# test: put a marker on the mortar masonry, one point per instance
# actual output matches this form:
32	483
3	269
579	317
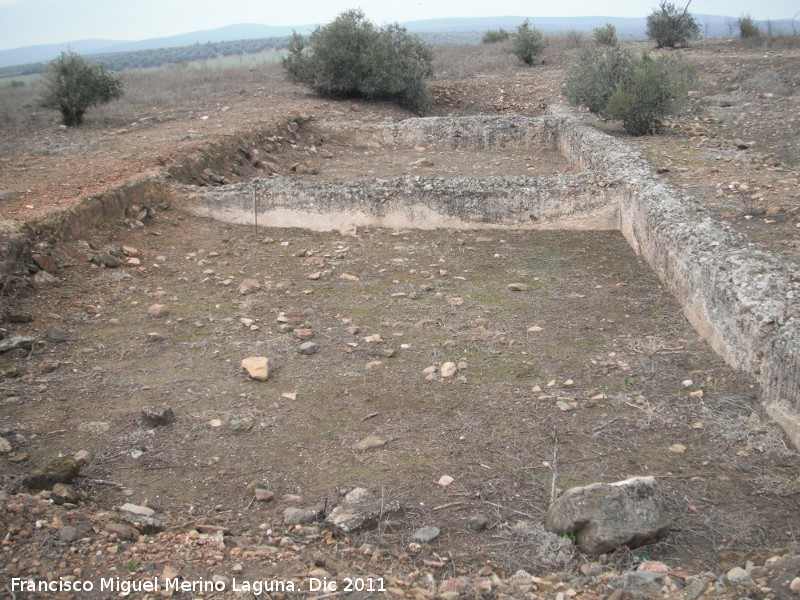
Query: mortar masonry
743	301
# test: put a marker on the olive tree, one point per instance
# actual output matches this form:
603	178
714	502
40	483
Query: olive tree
655	88
72	85
527	43
350	57
639	91
493	36
671	27
605	35
748	28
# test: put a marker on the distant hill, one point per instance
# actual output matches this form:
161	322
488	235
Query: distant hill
710	26
244	31
229	33
625	27
31	54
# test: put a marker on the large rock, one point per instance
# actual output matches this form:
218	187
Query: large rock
16	342
302	516
157	416
606	516
257	367
44	262
158	311
249	286
361	510
62	470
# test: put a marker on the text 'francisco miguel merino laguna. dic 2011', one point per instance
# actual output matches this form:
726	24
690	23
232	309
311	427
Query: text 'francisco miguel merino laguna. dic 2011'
155	584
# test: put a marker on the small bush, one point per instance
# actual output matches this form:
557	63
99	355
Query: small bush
574	38
72	85
748	30
671	27
637	90
598	72
605	35
654	89
527	43
493	36
350	57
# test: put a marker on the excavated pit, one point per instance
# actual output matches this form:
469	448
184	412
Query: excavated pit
548	173
444	241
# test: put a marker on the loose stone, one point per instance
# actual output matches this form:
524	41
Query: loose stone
425	535
135	509
249	286
157	416
448	370
370	442
158	310
308	348
69	534
257	367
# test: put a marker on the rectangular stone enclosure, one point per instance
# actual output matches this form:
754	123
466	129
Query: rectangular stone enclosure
743	301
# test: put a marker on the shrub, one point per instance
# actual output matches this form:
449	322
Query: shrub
671	27
350	57
527	43
748	28
72	85
574	38
492	36
605	35
655	88
598	72
637	90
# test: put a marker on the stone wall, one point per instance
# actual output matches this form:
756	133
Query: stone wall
741	300
474	133
584	201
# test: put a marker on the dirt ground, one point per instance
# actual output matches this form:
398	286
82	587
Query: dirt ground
589	374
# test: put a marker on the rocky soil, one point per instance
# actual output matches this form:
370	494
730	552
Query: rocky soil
465	378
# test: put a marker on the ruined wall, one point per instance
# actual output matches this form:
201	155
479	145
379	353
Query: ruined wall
475	133
742	300
565	202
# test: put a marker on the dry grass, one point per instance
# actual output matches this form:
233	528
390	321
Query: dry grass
177	89
469	60
768	41
18	112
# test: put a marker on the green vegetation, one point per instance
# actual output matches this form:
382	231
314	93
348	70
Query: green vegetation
671	27
492	36
574	38
637	90
145	59
351	58
72	86
748	30
527	43
598	72
657	88
605	35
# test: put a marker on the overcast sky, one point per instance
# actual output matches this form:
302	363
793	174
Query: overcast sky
30	22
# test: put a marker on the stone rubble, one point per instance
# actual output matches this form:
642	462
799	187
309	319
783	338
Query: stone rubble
101	543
